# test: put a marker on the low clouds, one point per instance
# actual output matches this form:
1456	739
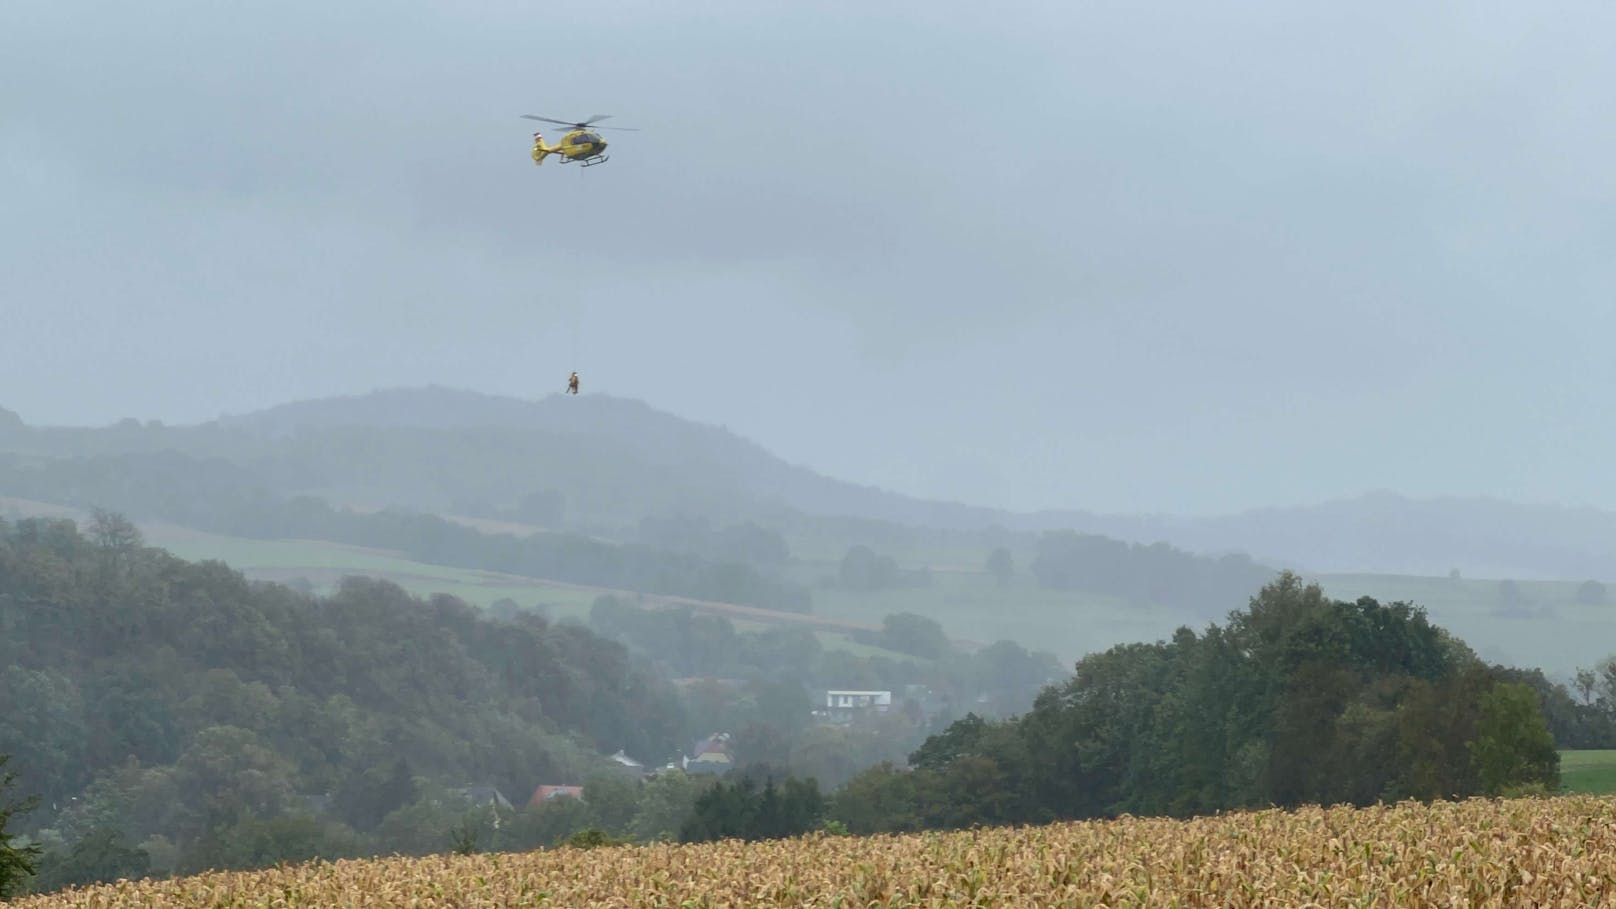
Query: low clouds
1108	255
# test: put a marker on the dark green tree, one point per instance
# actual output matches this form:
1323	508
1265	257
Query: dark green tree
723	812
365	798
743	809
914	634
962	738
792	808
1010	677
665	801
882	799
612	798
261	842
114	535
1513	747
1434	721
17	862
590	838
99	856
545	824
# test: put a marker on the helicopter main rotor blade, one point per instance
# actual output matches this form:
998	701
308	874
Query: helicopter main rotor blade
583	125
549	120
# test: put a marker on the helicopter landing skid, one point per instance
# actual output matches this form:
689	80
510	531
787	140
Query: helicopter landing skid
598	159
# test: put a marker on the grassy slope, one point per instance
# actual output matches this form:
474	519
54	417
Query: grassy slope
1591	772
324	564
1551	631
971	606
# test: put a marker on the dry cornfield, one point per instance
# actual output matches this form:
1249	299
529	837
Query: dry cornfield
1529	852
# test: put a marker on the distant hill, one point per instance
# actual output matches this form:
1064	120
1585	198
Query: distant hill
612	461
1386	533
1380	532
707	455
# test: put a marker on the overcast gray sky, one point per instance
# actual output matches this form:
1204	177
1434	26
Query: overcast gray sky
1182	257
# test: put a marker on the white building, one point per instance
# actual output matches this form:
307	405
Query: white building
842	706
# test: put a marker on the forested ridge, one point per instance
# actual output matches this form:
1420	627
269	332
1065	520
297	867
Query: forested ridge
146	696
614	460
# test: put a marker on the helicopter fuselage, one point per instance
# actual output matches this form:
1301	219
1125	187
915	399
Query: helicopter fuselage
582	145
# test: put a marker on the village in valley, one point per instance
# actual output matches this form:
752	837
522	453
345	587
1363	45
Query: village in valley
714	754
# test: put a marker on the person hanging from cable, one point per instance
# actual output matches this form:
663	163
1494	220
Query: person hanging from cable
572	383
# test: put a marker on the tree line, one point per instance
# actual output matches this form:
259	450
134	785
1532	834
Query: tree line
1144	574
222	497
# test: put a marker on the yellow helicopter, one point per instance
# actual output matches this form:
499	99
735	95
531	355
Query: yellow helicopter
581	144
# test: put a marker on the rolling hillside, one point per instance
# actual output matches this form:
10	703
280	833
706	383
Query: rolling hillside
613	461
599	466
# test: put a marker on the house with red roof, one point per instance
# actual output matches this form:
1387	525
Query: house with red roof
545	793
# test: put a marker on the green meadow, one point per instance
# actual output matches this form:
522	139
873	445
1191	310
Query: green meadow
1546	627
323	565
1590	772
972	607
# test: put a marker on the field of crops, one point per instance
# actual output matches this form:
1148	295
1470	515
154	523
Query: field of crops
1532	852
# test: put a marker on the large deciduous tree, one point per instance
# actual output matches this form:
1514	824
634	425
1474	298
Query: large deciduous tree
1513	748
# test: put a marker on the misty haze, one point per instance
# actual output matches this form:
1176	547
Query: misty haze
984	417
